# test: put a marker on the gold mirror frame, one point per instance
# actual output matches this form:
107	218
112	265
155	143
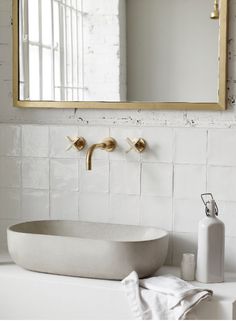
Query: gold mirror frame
221	105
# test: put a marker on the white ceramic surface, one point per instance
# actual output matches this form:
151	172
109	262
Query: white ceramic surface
93	250
53	297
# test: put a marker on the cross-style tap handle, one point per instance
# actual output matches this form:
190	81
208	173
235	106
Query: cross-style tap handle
138	145
76	142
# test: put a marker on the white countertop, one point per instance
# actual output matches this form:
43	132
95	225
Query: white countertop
18	279
223	291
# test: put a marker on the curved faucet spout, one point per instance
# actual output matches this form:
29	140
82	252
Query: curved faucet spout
108	144
90	154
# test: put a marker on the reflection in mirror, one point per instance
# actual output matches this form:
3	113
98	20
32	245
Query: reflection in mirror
51	50
172	51
118	51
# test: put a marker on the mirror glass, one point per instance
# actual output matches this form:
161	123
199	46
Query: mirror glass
118	50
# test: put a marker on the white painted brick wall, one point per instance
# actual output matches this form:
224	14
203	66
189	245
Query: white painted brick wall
189	153
103	37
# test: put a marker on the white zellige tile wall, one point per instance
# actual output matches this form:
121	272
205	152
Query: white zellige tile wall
161	187
188	153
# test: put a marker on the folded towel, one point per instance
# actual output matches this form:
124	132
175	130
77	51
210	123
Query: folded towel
163	297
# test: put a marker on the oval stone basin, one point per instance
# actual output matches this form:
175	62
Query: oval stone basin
91	250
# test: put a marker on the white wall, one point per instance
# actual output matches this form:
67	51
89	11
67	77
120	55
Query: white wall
189	153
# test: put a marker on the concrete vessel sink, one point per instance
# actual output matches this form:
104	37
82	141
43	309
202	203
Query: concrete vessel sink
92	250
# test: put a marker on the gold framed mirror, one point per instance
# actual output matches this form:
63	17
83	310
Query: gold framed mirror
66	76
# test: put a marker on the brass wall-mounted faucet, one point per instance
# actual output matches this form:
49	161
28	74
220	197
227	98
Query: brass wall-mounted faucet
108	144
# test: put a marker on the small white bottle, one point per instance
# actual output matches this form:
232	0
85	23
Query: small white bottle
211	246
188	267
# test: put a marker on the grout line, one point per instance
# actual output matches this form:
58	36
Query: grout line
79	186
207	160
49	172
172	209
110	214
21	173
140	192
173	191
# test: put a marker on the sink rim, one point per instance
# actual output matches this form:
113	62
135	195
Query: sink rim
160	233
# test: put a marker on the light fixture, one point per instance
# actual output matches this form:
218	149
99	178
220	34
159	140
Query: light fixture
215	13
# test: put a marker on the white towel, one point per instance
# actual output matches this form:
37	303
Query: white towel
163	297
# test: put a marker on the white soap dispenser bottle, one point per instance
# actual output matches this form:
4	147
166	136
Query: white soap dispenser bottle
211	245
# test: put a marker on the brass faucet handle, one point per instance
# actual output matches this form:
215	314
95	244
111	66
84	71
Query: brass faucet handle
138	145
76	142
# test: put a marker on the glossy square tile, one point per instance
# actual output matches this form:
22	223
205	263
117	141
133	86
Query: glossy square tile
10	140
187	214
35	204
64	205
156	211
125	177
169	257
125	209
94	135
190	146
221	147
96	180
230	257
35	173
159	144
189	181
156	179
94	207
221	182
121	134
64	174
227	211
10	172
35	141
10	200
183	243
59	143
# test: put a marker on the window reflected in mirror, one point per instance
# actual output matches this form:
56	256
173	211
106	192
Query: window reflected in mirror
51	50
